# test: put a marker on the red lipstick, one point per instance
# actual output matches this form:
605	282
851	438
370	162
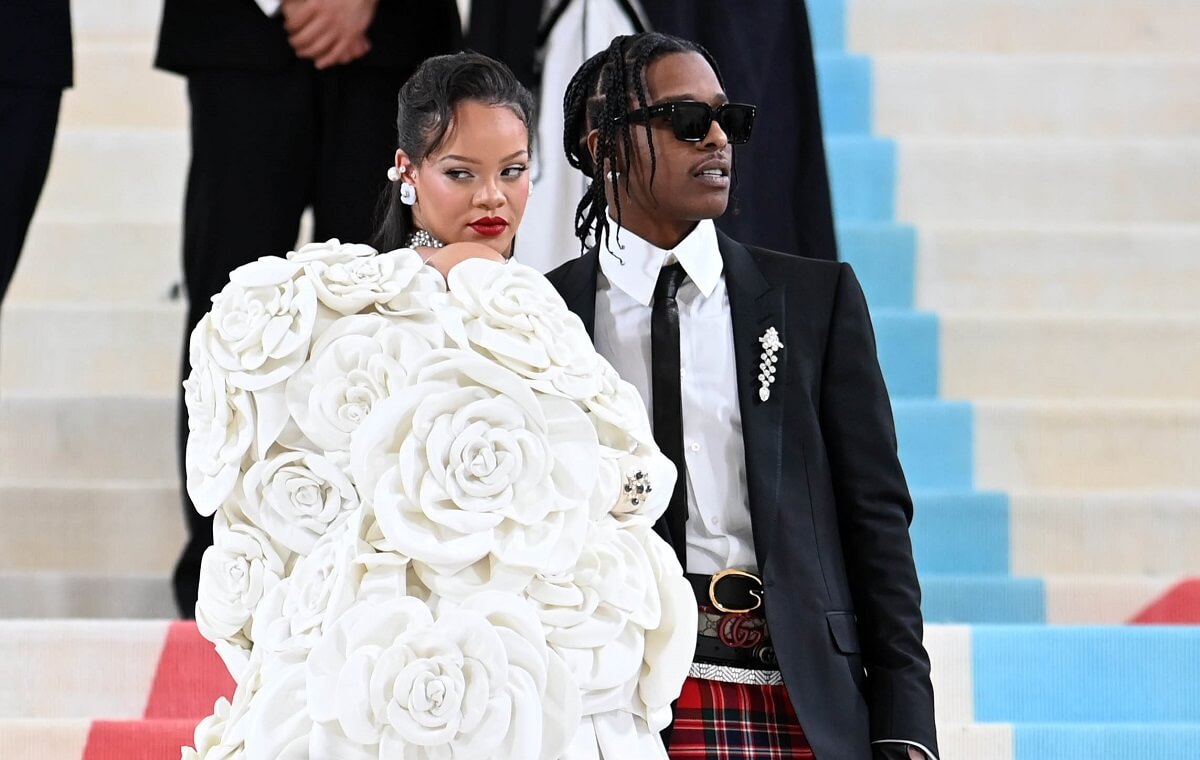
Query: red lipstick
489	226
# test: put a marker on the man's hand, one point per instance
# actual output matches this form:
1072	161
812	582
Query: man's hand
328	32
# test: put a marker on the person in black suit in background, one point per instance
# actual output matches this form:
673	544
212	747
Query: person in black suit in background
791	513
782	197
35	67
292	104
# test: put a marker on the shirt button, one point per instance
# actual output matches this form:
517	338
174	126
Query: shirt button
714	522
695	447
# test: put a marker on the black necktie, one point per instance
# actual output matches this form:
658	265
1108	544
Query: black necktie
668	400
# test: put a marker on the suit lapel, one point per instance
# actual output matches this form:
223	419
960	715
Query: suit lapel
577	286
756	305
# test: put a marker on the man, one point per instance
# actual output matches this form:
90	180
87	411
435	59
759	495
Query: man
293	105
35	66
791	513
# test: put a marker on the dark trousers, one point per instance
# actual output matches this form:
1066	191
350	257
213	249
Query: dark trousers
264	147
28	121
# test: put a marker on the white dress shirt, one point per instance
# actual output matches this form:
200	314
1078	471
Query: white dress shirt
718	526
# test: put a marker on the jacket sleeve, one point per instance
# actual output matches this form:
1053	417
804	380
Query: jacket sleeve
874	513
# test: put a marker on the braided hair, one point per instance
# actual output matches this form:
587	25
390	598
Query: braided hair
598	97
424	116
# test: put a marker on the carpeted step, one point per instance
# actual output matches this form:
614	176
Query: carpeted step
1002	26
1037	181
1061	445
1060	600
102	528
1136	533
1095	268
1040	95
998	355
87	438
49	594
110	669
64	262
116	175
99	350
1092	533
120	71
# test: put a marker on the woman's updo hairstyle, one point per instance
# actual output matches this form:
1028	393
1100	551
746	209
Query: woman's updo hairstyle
425	114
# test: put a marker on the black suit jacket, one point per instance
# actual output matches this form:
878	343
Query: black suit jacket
829	505
35	43
235	34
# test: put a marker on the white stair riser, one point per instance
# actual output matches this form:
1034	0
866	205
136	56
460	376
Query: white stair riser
114	175
1092	269
131	530
80	263
1133	534
1001	26
88	439
92	350
1047	446
999	357
78	669
117	86
44	739
1093	96
1047	181
1100	601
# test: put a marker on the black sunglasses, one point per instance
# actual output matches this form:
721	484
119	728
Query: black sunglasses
690	120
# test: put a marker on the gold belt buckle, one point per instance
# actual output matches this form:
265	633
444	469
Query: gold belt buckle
717	577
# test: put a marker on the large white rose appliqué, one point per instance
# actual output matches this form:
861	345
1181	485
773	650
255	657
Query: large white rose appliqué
221	425
468	465
389	681
517	318
262	322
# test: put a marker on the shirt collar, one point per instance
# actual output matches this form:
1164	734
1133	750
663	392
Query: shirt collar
698	254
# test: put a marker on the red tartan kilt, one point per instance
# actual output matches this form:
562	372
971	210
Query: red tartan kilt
731	721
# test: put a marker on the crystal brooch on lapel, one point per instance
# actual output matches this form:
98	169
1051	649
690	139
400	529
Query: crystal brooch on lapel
766	365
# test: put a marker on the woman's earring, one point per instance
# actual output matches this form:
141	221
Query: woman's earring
408	194
530	188
394	172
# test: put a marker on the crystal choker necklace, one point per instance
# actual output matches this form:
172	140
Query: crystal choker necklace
423	239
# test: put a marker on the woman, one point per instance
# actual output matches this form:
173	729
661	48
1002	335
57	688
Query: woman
791	512
433	500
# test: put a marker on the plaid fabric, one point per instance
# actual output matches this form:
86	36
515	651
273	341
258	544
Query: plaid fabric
733	721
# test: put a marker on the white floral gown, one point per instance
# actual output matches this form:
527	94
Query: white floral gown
432	519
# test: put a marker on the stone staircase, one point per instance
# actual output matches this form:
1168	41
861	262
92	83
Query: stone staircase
1015	182
1015	185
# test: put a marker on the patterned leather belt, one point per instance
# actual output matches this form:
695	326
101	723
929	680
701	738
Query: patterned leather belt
732	629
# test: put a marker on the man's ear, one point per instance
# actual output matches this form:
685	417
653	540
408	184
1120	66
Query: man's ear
590	141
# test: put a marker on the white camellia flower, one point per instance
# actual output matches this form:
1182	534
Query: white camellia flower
341	570
471	474
355	363
620	416
389	681
267	719
262	323
332	251
588	615
235	573
670	640
515	316
220	427
353	284
296	497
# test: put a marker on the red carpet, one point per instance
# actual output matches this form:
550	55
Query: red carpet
1180	605
189	678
